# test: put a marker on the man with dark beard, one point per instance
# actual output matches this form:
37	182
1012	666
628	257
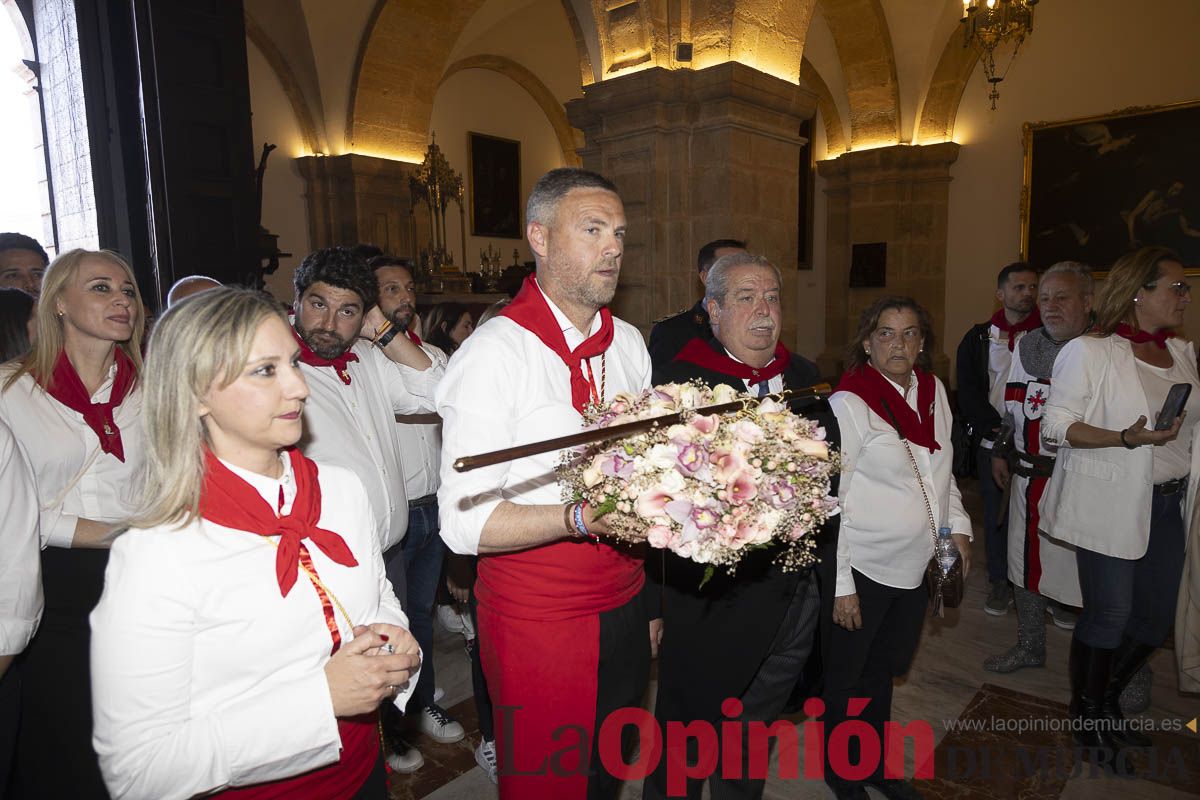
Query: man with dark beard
361	372
417	562
767	618
562	622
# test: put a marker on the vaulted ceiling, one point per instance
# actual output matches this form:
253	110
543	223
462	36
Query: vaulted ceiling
394	54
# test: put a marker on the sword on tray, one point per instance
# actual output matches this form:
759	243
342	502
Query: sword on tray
624	430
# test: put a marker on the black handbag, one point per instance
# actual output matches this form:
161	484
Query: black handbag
945	589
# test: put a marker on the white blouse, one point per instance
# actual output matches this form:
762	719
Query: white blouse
504	387
21	563
884	524
203	676
74	477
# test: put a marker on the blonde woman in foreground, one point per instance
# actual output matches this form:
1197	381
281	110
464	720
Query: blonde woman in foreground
247	633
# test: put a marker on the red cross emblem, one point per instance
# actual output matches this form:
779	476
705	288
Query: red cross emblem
1037	394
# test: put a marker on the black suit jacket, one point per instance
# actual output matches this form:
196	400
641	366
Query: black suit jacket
669	336
715	638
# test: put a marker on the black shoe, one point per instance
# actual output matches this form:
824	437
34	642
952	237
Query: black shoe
897	789
845	790
1127	660
1092	673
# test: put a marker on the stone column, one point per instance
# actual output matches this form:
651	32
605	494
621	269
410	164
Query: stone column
355	198
697	156
899	195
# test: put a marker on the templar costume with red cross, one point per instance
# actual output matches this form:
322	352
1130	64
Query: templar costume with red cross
1036	560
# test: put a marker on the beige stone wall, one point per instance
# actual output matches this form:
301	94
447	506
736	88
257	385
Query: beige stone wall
697	156
898	195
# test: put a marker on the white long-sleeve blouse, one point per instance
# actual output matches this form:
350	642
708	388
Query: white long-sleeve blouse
203	676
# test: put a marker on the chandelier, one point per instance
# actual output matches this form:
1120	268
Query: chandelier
987	24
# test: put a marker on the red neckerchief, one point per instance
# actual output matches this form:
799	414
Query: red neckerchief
1141	337
698	352
882	397
229	501
307	356
530	310
65	387
412	337
1033	321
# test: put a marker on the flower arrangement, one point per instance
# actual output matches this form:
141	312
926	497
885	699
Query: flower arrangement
713	487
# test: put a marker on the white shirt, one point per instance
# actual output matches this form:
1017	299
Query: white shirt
354	426
73	476
1172	460
884	524
21	562
503	388
999	362
421	442
205	677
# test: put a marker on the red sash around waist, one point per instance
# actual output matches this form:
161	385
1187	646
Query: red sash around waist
559	581
340	781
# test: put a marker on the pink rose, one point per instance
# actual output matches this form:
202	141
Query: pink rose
658	536
706	424
726	465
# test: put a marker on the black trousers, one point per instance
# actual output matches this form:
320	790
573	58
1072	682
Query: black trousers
623	670
55	758
762	701
10	712
863	663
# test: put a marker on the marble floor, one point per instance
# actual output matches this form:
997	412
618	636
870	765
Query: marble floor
946	684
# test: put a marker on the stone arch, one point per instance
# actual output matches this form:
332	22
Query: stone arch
946	88
400	61
541	95
835	133
586	75
291	86
864	46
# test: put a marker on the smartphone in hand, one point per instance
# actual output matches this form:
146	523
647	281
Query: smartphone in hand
1173	406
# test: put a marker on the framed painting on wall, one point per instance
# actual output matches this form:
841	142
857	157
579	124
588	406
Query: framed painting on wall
1098	187
494	166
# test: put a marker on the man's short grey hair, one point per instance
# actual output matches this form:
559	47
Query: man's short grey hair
1073	268
717	284
551	188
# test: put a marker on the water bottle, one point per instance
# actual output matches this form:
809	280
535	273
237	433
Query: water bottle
945	551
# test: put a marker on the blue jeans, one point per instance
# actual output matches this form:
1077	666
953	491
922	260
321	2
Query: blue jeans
418	560
995	525
1134	597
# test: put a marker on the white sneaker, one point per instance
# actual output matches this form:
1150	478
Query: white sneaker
407	762
485	757
449	618
435	723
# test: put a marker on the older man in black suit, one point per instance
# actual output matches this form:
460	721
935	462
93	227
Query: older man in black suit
746	636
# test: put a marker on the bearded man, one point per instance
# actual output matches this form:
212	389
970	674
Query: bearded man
562	621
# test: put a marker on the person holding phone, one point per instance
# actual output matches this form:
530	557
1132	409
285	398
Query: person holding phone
247	633
1121	487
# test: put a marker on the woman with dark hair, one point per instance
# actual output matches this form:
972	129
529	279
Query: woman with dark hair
74	404
1119	485
448	325
896	492
247	632
17	323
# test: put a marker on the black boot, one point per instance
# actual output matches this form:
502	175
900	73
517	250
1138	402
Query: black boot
1127	660
1092	673
1075	671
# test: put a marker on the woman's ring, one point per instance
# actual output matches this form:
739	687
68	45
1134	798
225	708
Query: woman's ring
390	649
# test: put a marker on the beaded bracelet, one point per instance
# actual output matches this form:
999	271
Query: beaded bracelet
580	527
